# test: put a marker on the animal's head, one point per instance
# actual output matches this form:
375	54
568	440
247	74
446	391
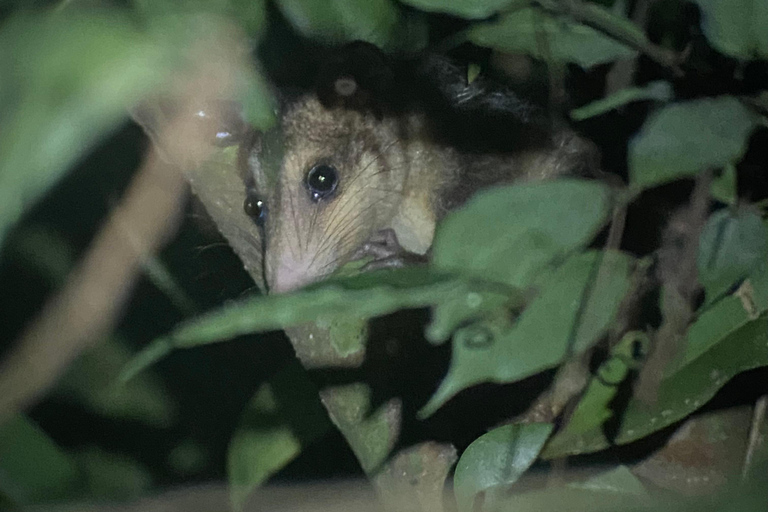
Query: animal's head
324	180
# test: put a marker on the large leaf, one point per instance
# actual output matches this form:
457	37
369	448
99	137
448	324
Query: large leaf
732	244
363	296
616	489
738	28
574	306
684	391
380	22
496	459
32	468
282	418
686	138
476	9
509	234
545	36
250	14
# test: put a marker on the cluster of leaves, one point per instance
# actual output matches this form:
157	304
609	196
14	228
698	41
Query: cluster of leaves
513	282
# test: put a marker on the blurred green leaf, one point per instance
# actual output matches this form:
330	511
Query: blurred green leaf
573	308
474	9
657	91
509	234
367	295
32	468
724	186
380	22
617	489
687	389
250	14
91	381
497	458
549	37
112	476
732	244
686	138
738	28
64	86
282	418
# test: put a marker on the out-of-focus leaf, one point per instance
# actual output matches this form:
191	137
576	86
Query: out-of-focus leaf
738	28
574	305
65	84
497	458
32	468
511	233
724	187
617	489
687	389
476	9
283	417
594	408
545	36
363	296
90	381
250	14
112	476
380	22
657	91
686	138
44	249
732	244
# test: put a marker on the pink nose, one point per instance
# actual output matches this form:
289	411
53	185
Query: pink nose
288	276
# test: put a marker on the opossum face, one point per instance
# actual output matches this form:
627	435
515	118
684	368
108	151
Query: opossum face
323	184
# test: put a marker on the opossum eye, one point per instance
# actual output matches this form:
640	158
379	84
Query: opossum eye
255	207
321	181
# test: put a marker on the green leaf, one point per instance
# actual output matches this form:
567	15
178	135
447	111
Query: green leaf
66	84
497	458
90	382
32	468
282	418
686	138
657	91
362	296
732	244
724	186
594	408
548	37
474	9
509	234
574	306
250	14
617	489
738	28
380	22
109	476
687	389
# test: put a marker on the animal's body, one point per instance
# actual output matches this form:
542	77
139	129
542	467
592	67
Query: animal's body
354	169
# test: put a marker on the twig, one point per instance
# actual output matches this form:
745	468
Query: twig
755	438
91	301
679	278
620	75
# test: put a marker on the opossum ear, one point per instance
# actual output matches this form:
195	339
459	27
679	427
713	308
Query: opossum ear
358	76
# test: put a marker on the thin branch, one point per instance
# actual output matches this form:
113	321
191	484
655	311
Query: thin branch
679	278
755	437
90	303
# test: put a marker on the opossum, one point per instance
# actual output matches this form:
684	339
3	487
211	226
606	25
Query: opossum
367	163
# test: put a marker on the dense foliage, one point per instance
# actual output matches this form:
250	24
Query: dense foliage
617	309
